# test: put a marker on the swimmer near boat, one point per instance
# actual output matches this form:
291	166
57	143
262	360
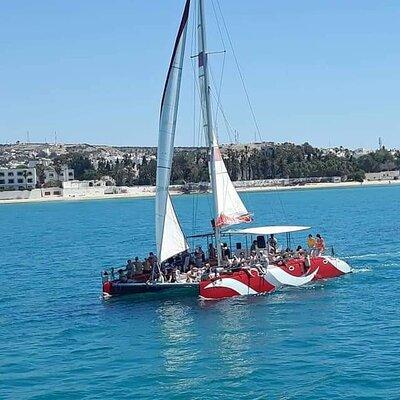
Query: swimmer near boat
216	273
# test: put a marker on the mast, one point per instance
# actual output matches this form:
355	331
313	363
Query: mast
207	117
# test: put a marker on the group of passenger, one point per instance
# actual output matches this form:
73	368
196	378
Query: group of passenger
135	268
316	246
191	267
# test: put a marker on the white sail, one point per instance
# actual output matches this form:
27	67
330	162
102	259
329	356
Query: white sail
169	236
230	208
173	240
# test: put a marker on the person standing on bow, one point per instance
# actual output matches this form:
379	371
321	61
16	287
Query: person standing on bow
311	244
320	245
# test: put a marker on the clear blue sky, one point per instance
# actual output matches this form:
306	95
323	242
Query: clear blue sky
327	72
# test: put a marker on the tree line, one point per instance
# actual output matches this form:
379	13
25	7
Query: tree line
286	160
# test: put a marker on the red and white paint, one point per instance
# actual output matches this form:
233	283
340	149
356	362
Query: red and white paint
291	273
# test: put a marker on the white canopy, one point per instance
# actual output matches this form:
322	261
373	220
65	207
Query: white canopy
267	230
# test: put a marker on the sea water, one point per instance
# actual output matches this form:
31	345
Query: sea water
336	339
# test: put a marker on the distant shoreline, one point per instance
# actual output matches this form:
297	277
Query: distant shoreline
148	192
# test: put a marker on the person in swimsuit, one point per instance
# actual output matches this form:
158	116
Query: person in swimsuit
320	245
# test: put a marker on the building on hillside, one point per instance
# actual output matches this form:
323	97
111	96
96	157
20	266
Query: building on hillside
361	152
248	146
17	178
66	174
51	191
46	162
382	176
73	184
108	180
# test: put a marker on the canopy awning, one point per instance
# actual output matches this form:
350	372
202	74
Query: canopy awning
267	230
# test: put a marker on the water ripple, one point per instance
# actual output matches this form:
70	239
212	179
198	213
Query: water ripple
332	339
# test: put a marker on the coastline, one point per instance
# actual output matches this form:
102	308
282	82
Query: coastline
149	191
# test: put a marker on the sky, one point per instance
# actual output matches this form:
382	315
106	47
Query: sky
321	71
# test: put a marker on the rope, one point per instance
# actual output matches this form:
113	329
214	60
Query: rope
240	72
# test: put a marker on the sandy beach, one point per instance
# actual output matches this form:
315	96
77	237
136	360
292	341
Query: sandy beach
149	191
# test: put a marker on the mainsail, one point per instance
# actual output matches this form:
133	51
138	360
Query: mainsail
228	207
169	236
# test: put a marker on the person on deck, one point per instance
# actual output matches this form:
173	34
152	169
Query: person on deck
137	266
273	243
186	261
199	257
311	244
254	246
226	253
320	245
129	269
191	274
212	254
146	266
122	275
152	259
300	252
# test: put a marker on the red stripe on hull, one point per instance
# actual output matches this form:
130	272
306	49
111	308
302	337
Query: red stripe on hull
326	269
238	283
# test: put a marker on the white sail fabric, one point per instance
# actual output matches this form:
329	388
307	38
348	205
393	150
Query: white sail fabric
169	236
230	208
173	240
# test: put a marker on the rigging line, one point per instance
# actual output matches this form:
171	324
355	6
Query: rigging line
218	90
224	59
199	97
240	72
281	203
194	144
228	126
193	45
218	25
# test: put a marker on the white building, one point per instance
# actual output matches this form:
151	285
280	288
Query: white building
86	188
46	162
72	184
66	174
17	178
382	176
361	152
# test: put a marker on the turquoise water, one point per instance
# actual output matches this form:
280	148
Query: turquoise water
339	339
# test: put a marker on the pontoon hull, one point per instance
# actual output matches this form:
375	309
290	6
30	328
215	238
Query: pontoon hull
238	283
116	288
325	267
292	273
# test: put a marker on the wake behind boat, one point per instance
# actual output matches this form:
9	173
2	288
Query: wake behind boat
257	270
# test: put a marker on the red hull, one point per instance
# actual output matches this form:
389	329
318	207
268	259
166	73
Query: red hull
324	267
238	283
292	273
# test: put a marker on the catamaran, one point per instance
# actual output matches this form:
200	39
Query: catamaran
256	275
